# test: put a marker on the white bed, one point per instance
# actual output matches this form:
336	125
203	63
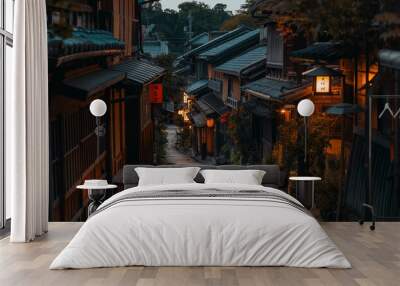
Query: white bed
201	231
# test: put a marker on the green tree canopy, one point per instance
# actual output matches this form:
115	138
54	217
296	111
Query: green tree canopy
353	22
172	26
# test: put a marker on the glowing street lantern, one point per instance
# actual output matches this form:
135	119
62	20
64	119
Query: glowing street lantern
322	84
210	122
322	78
185	98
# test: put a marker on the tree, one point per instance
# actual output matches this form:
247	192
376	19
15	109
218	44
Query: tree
389	22
237	20
352	22
290	144
220	8
170	24
242	17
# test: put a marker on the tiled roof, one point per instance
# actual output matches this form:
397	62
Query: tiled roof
94	82
213	103
237	65
217	41
198	119
200	39
325	51
197	86
140	71
270	87
82	40
183	70
205	37
204	108
234	45
322	70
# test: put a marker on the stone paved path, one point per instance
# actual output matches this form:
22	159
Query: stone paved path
173	155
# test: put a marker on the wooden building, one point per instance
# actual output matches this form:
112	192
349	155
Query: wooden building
385	183
272	99
210	86
88	40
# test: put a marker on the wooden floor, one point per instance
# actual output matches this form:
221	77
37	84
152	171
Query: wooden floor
375	257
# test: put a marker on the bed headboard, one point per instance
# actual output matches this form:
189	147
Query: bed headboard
273	177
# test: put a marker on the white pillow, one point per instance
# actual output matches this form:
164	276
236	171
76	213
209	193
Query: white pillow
247	177
166	176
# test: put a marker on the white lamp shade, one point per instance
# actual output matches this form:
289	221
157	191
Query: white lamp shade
98	108
306	108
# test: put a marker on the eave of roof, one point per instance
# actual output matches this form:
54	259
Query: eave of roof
197	86
322	71
270	88
322	51
140	71
237	65
182	71
200	39
92	83
389	58
214	103
198	119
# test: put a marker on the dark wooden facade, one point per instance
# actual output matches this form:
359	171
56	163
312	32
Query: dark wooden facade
73	142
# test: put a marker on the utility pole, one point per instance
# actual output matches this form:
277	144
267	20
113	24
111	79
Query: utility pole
190	18
190	29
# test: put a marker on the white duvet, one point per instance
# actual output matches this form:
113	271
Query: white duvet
200	232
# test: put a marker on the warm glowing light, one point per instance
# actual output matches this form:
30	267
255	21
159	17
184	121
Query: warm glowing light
322	84
185	117
210	122
185	98
184	114
283	111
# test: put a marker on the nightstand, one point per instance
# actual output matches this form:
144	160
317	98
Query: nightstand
306	179
97	194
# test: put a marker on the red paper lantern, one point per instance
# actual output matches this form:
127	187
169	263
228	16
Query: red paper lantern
156	93
210	122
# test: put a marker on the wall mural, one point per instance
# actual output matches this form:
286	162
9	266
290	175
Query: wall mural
133	83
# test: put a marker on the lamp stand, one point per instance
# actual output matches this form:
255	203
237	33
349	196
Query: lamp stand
305	139
305	146
100	131
98	136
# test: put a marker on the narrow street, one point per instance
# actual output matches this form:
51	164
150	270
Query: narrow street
173	155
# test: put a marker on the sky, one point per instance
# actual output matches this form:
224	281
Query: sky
233	5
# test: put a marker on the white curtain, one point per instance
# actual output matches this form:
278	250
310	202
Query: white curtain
27	159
